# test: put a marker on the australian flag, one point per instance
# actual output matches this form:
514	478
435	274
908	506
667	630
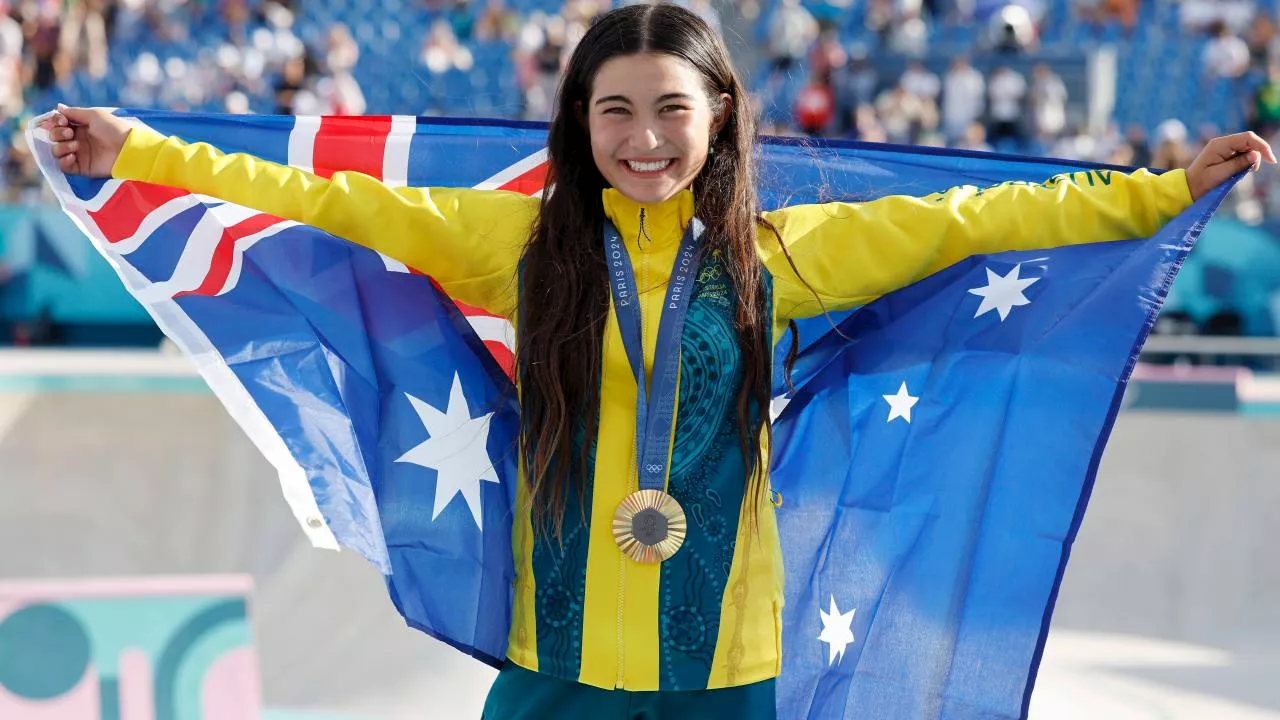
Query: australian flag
934	455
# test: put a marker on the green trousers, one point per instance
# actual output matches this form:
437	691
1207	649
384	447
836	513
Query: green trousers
520	694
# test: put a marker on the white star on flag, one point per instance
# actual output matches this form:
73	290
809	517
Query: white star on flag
776	407
837	631
1003	293
900	404
456	448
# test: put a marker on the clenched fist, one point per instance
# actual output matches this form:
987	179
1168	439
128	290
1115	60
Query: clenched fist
86	141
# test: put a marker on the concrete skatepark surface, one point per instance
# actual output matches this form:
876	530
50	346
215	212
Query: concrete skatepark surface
1170	607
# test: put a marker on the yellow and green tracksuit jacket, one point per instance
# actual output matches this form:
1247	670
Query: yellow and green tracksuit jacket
710	616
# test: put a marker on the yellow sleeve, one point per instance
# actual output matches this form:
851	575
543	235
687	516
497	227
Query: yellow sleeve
852	253
469	240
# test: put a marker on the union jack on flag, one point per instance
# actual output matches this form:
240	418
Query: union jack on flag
390	414
190	258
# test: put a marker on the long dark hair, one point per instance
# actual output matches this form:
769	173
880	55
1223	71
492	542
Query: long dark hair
564	298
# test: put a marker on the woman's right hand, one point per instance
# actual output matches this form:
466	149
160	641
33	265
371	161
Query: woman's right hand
86	141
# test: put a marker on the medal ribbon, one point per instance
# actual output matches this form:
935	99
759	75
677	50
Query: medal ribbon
655	414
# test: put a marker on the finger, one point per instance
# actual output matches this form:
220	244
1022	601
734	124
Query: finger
1250	160
1227	148
67	162
1250	141
65	148
1264	147
76	115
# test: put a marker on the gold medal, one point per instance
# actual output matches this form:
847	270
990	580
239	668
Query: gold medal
649	526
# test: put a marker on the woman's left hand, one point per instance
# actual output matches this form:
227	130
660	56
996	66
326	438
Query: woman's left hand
1223	157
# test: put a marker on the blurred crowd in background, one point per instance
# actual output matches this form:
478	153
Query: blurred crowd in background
1127	82
974	74
987	76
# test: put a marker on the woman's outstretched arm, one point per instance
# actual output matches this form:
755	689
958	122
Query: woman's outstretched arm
469	240
852	253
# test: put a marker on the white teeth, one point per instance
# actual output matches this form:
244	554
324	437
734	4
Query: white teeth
648	166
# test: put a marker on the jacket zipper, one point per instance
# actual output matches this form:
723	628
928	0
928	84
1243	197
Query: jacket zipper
622	559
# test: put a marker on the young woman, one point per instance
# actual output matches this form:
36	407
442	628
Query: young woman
647	291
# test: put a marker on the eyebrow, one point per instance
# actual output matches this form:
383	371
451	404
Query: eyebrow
661	99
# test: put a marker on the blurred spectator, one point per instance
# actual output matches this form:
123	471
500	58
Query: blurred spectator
1100	12
42	68
828	55
1107	141
1125	11
84	36
1089	11
577	15
292	81
143	78
1011	30
1200	15
237	103
1170	148
1266	103
496	23
461	20
1035	9
1136	139
1006	91
1262	40
867	126
855	85
896	111
909	35
340	93
1075	144
1047	101
442	52
974	138
816	104
235	13
963	98
10	63
792	30
879	16
1123	155
906	117
1226	55
539	52
919	81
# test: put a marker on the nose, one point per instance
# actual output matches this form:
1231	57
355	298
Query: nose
645	138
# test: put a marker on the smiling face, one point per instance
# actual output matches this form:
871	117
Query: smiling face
650	124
